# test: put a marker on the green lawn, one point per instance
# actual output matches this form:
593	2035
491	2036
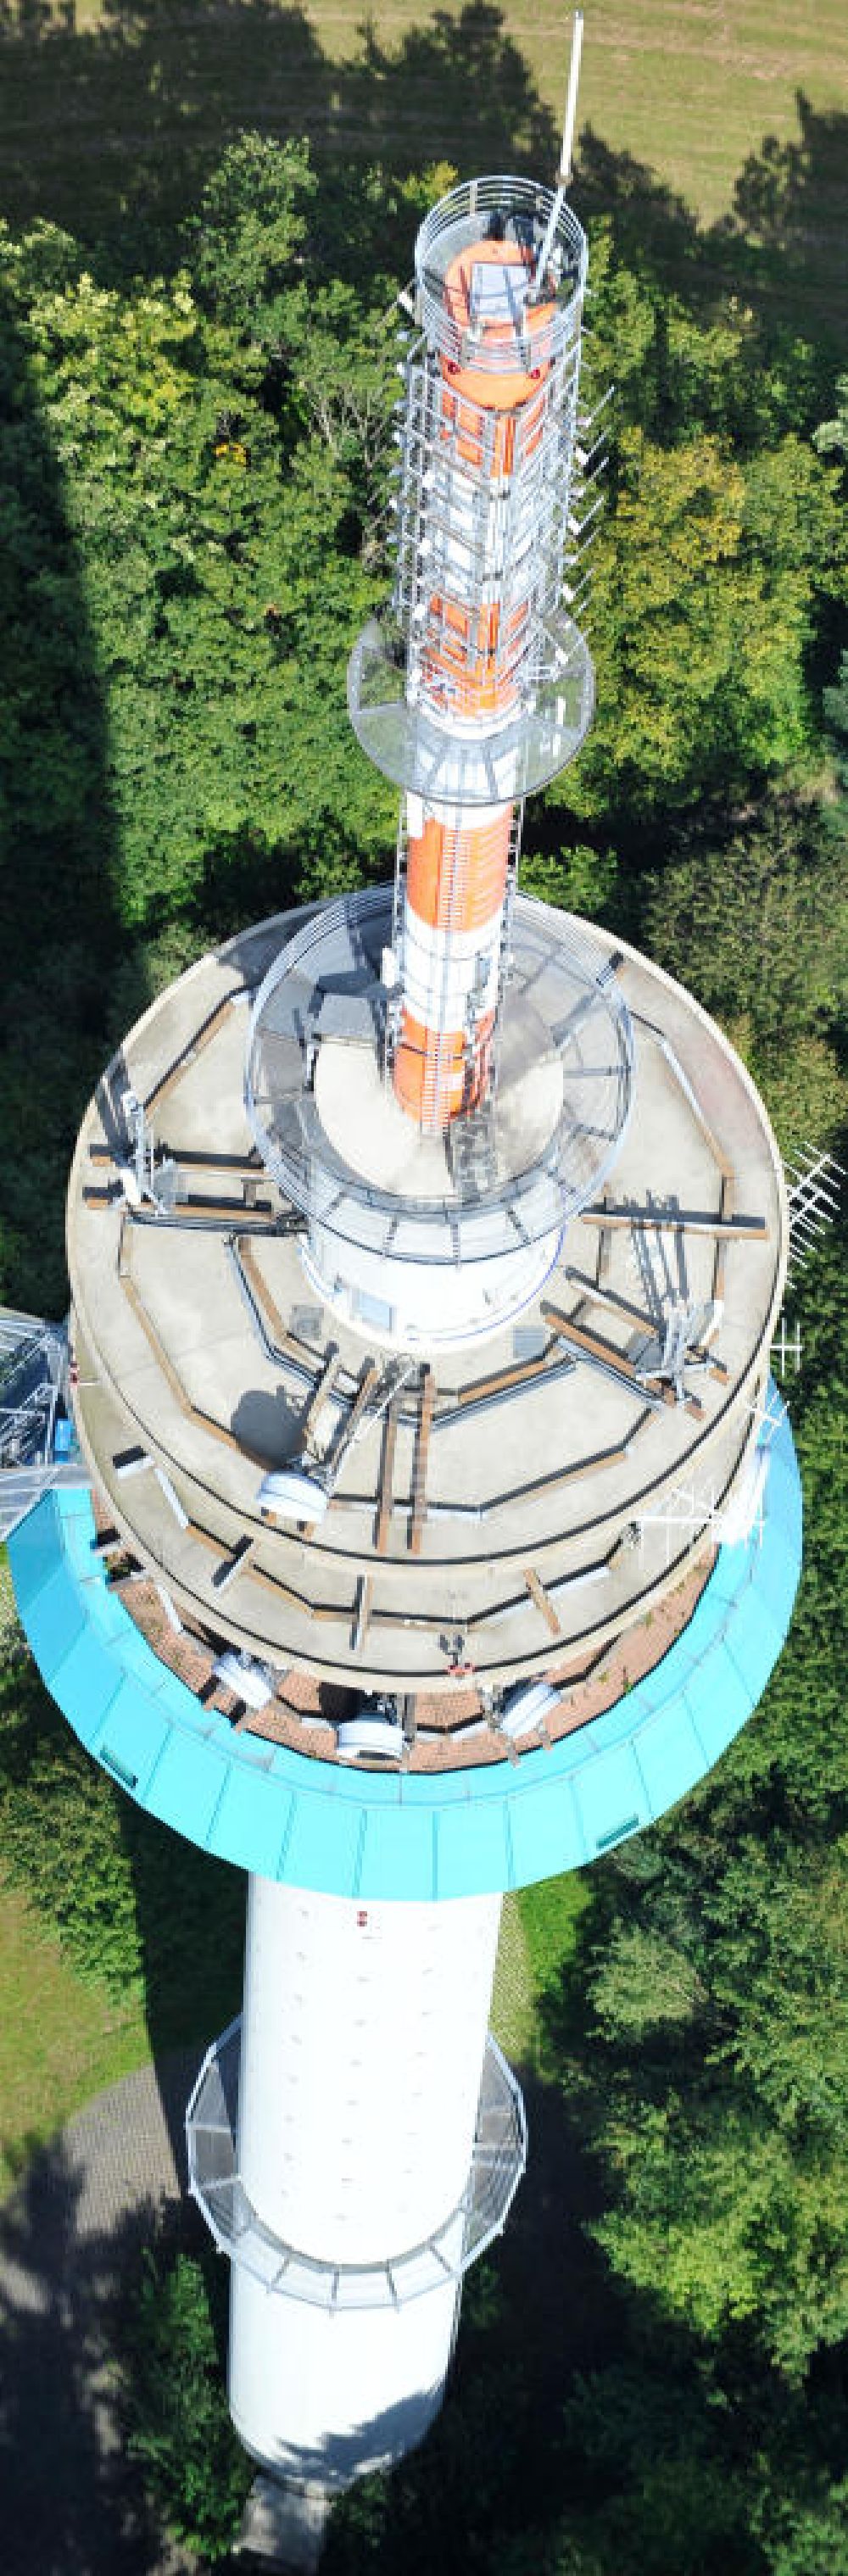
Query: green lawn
538	1937
61	2039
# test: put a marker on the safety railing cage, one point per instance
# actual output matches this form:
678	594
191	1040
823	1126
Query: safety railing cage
521	209
498	2160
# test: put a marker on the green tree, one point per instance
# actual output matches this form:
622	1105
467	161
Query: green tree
180	2424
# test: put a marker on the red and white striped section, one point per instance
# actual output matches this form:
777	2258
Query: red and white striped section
455	886
476	619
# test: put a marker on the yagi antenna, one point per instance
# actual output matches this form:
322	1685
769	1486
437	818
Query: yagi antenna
564	171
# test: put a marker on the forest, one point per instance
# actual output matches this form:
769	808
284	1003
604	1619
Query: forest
197	409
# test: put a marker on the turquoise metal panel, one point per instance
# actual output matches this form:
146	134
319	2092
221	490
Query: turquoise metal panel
390	1860
76	1538
720	1703
132	1735
322	1849
183	1791
753	1641
544	1832
135	1657
669	1754
472	1849
32	1555
775	1580
250	1822
380	1835
84	1683
611	1799
56	1619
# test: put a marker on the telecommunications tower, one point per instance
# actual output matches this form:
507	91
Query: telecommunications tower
442	1523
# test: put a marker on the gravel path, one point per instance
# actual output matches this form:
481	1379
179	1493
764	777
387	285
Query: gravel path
72	2505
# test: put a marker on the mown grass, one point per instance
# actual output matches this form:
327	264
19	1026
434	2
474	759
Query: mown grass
65	2037
62	2038
538	1940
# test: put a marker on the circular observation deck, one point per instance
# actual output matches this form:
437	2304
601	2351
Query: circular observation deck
455	765
542	1504
422	1239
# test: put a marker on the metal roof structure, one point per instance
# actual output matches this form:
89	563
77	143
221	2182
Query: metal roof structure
369	1835
562	1023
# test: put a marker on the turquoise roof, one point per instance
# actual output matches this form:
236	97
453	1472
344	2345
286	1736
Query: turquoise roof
370	1835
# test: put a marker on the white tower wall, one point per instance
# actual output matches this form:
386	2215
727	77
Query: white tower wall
363	2035
333	2398
405	1304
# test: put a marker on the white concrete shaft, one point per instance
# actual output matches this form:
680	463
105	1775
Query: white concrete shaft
335	2397
363	2033
424	1305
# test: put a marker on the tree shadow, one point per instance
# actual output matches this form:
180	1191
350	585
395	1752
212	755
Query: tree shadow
111	131
59	899
73	2504
62	942
787	221
779	248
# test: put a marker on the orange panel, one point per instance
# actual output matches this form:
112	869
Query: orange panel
456	880
432	1079
506	392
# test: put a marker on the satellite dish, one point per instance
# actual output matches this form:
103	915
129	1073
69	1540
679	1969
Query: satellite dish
293	1496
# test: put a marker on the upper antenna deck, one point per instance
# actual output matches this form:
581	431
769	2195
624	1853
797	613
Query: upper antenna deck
476	685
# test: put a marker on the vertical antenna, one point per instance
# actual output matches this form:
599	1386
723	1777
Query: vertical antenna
564	171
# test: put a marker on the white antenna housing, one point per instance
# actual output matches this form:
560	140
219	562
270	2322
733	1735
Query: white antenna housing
564	171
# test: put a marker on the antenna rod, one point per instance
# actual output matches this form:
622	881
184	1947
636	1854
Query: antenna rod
564	171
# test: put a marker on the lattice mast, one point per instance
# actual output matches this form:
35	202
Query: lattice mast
478	686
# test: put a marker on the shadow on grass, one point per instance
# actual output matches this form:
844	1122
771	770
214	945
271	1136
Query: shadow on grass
112	129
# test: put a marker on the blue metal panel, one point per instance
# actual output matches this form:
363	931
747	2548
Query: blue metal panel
250	1822
472	1850
544	1832
372	1835
611	1798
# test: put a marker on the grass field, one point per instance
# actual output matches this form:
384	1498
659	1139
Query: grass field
692	114
64	2038
61	2040
538	1934
690	87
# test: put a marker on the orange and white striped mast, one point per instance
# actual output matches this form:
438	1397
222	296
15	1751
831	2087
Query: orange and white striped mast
479	687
